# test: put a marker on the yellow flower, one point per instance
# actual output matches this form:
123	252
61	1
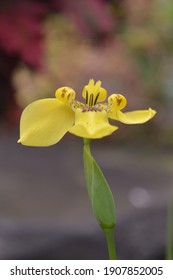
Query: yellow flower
44	122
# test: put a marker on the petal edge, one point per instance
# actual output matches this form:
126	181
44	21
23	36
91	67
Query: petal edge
135	117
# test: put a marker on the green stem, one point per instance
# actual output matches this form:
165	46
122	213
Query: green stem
169	245
87	142
109	233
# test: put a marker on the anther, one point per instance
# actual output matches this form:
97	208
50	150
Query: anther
91	100
96	98
86	97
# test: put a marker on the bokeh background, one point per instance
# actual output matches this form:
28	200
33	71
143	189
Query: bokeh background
44	207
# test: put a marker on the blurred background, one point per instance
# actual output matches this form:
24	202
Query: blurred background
44	207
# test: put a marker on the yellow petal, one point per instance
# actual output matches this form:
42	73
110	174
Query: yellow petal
92	124
116	102
65	94
135	117
94	93
44	122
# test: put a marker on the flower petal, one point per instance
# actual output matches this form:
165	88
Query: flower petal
135	117
44	122
116	102
65	94
92	124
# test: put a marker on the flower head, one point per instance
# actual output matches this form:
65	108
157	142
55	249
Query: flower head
44	122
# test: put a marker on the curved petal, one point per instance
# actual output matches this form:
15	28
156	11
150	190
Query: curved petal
44	122
116	102
92	124
65	94
135	117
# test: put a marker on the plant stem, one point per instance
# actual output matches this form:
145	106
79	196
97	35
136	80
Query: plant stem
169	245
109	233
87	142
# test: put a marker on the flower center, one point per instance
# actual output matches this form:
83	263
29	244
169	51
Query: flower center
93	94
90	99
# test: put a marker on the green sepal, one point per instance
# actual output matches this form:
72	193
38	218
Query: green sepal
100	195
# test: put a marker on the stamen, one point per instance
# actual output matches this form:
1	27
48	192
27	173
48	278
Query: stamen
86	97
96	98
91	100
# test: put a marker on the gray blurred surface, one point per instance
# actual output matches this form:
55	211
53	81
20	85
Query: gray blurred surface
43	199
140	236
